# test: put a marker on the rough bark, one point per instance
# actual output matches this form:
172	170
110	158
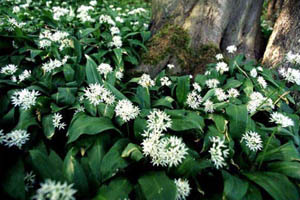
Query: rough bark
285	36
215	23
273	11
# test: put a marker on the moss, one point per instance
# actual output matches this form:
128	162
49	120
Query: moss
172	40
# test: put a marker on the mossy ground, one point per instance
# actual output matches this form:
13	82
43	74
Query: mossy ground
172	41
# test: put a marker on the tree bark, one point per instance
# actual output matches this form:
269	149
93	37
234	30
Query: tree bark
273	11
217	23
285	36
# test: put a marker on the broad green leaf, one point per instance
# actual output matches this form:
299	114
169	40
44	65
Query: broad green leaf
231	183
92	74
143	97
118	54
238	119
290	169
182	89
220	122
117	189
115	91
232	84
69	73
26	119
112	161
65	96
48	127
133	151
13	182
188	122
139	126
277	185
248	87
84	124
156	185
164	102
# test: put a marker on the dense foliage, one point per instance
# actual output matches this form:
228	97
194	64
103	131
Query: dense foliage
72	126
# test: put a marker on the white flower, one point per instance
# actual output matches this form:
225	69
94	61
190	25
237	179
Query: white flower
114	30
165	81
253	73
209	106
15	138
116	41
212	83
106	19
119	19
194	100
9	69
261	81
46	37
119	75
259	68
170	66
93	3
59	12
54	64
137	11
290	75
96	94
293	58
56	120
80	109
231	49
183	188
83	13
197	87
257	100
219	56
233	93
52	190
104	69
146	81
29	180
218	151
25	75
16	9
253	140
220	94
126	110
25	98
281	119
222	67
158	121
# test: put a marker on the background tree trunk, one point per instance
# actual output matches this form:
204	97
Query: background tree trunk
273	10
213	23
286	34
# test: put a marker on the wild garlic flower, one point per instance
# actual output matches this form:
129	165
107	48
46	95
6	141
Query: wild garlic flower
194	100
29	180
219	56
79	109
126	110
261	81
96	94
259	68
104	69
170	66
220	94
197	87
253	140
290	75
54	64
137	11
253	73
183	188
9	69
93	3
24	98
83	13
233	93
167	151
116	41
15	138
208	106
257	100
231	49
59	12
106	19
56	120
218	151
165	81
25	75
114	30
119	19
47	37
222	67
158	121
52	190
146	81
212	83
281	120
293	58
119	75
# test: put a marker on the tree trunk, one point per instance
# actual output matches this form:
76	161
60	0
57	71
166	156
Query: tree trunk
286	34
209	25
273	11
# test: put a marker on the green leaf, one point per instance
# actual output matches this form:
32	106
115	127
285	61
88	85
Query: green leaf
112	161
133	151
139	126
92	75
231	183
117	189
74	173
65	96
277	185
69	73
115	91
143	97
248	87
182	89
188	122
220	122
13	183
232	84
48	127
84	124
118	54
164	102
156	185
290	169
238	119
26	120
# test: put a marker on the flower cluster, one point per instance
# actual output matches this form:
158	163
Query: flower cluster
53	64
15	138
96	94
222	67
29	180
258	101
83	13
290	75
212	83
104	69
253	140
218	152
56	120
25	98
165	81
183	188
281	119
158	121
9	69
194	100
47	37
146	81
53	190
126	110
